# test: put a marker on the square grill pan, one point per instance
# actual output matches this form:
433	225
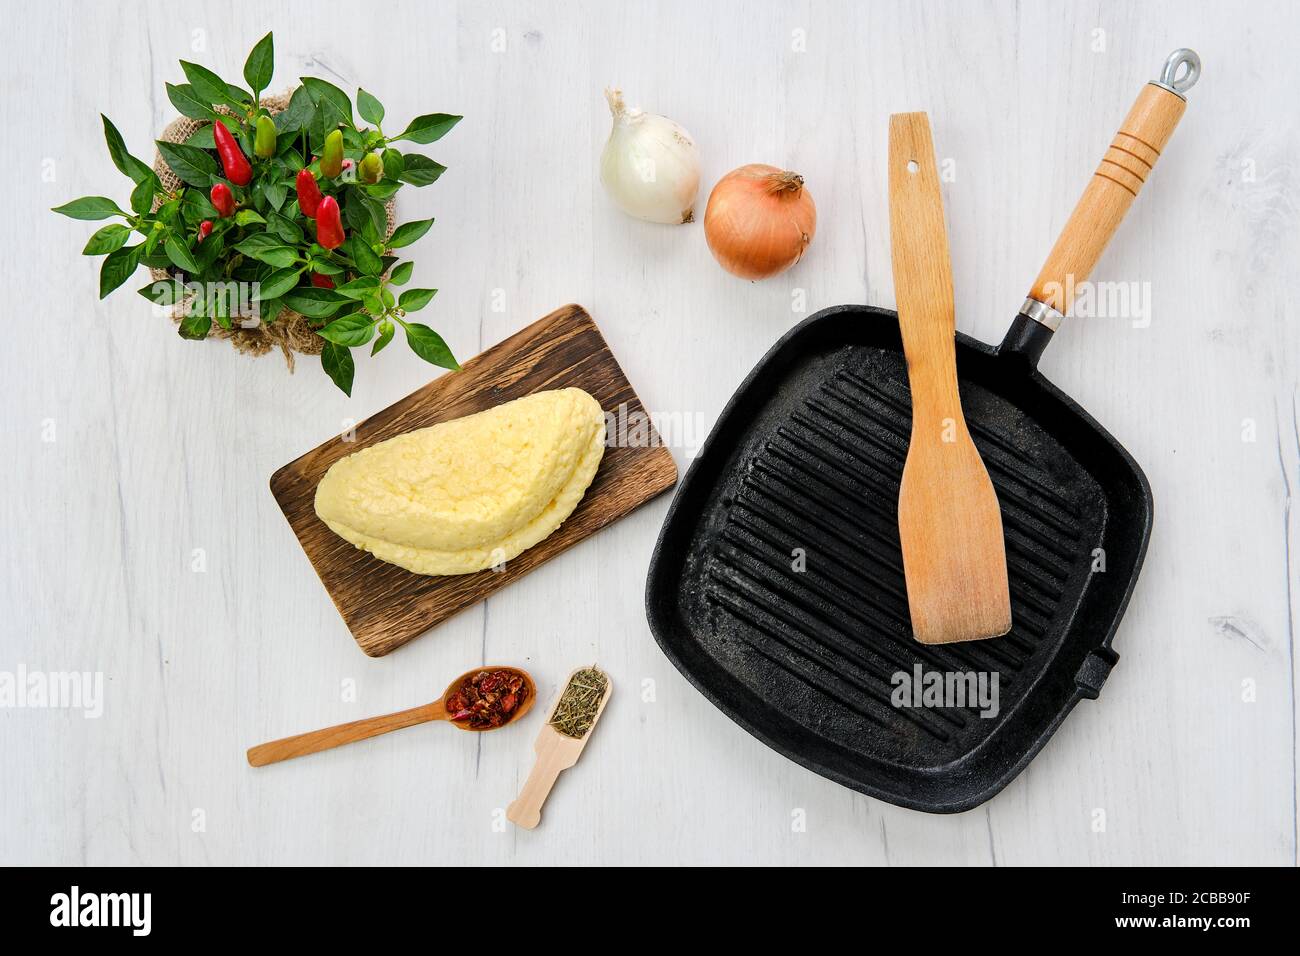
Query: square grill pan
806	460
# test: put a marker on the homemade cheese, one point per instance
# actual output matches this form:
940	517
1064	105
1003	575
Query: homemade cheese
470	493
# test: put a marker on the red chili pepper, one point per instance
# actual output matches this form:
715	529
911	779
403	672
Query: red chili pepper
205	229
233	160
329	223
321	282
223	200
308	193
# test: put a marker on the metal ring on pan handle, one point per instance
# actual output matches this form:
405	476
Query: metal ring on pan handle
1169	78
1042	313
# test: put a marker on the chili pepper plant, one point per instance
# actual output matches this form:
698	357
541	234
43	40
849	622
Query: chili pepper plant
289	208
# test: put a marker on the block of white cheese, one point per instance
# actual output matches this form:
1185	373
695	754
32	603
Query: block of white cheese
470	493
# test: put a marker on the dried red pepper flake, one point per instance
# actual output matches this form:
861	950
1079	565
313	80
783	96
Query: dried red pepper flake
487	698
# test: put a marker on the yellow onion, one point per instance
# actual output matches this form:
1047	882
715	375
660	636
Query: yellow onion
759	221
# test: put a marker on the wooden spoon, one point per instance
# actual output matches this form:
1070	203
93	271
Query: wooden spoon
329	737
555	752
949	522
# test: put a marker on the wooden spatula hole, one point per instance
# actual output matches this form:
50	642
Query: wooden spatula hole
912	166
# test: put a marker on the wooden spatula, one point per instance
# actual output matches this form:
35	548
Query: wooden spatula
949	522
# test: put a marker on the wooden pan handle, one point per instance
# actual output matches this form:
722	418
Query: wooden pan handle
318	740
1113	187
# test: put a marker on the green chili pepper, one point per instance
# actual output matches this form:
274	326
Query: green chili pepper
331	157
371	169
264	141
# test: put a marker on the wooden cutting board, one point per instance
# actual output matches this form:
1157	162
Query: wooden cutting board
385	606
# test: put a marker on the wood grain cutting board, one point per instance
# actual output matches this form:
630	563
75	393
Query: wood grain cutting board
385	606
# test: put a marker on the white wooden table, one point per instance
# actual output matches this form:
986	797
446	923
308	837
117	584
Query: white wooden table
135	458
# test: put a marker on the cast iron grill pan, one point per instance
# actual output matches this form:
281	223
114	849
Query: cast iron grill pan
807	459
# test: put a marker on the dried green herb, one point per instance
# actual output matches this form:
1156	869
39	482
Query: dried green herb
580	702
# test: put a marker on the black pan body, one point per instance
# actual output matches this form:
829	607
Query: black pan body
777	589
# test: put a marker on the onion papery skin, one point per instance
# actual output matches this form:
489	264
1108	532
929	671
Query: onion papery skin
759	221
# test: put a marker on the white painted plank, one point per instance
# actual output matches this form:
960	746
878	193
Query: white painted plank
163	447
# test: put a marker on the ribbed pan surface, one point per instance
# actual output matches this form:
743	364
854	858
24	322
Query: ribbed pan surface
778	585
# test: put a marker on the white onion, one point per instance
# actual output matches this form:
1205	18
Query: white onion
649	166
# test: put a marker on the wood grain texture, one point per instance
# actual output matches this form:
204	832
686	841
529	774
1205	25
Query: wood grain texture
141	541
949	520
384	605
327	738
1109	194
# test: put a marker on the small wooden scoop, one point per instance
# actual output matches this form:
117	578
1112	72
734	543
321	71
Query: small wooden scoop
555	752
949	523
318	740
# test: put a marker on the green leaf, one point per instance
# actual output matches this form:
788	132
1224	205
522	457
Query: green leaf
358	288
188	102
386	330
413	300
108	239
315	303
350	330
278	283
371	110
180	255
260	64
408	232
429	345
286	229
276	256
420	170
123	160
275	194
363	215
245	216
267	248
202	138
332	104
298	115
401	274
268	309
117	268
337	362
365	258
195	326
209	250
156	233
190	164
382	190
429	128
196	206
142	195
239	95
207	85
90	208
169	213
393	163
163	292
